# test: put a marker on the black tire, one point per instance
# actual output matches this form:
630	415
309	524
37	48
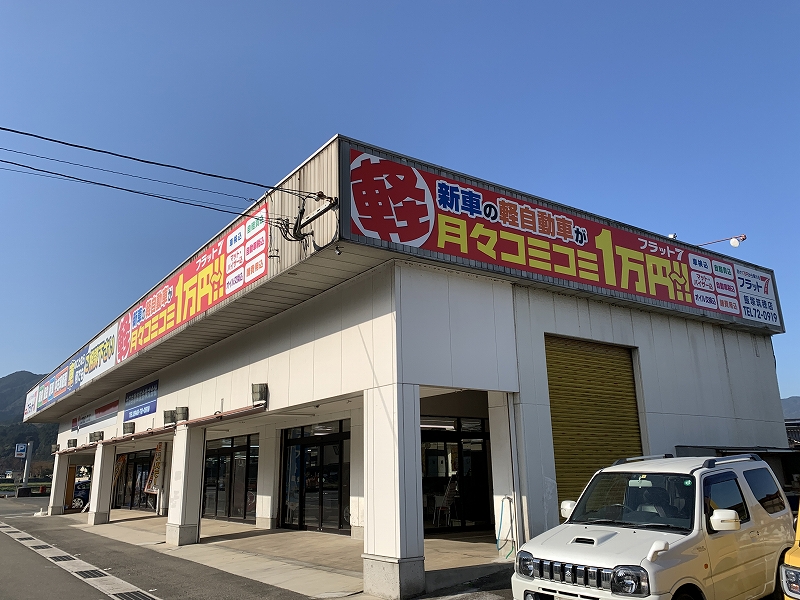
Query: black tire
77	503
683	596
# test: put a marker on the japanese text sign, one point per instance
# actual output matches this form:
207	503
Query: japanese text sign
141	401
232	260
228	263
401	204
107	411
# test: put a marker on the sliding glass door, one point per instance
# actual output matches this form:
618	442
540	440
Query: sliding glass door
316	477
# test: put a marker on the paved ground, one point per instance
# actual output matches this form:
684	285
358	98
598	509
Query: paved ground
33	576
163	575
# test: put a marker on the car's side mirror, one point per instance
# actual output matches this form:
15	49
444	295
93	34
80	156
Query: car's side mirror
725	520
567	506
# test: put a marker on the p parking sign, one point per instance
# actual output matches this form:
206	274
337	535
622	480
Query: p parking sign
20	450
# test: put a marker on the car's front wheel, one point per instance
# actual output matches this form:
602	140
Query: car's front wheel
77	503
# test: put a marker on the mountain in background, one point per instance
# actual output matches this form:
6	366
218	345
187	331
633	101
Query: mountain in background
12	395
791	407
13	389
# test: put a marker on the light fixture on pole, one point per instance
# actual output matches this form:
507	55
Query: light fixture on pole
734	241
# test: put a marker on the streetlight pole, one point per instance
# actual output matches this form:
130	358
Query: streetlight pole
734	241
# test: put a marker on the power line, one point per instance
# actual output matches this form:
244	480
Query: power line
175	199
158	164
66	162
29	173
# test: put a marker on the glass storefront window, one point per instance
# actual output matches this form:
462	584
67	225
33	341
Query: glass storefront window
322	428
252	479
239	441
239	484
471	424
213	444
294	433
439	423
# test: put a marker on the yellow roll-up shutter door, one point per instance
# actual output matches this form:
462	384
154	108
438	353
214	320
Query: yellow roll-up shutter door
593	409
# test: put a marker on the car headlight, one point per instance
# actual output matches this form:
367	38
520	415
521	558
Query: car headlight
630	581
525	563
790	581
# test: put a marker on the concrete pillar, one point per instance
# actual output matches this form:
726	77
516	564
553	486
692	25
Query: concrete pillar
185	488
504	483
59	485
357	473
102	478
394	562
269	468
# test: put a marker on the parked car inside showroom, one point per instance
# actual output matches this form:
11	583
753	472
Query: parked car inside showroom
664	528
80	496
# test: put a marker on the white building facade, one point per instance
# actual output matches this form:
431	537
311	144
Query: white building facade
413	351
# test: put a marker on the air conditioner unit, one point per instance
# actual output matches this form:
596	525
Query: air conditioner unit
260	393
96	436
182	413
128	428
169	417
72	443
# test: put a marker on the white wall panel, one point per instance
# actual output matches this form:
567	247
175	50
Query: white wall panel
357	337
455	330
425	326
505	336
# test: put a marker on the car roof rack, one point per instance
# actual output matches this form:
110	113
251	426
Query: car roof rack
622	461
713	462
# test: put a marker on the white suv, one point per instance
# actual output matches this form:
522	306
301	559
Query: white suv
663	527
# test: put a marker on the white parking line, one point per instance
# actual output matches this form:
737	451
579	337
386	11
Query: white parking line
111	586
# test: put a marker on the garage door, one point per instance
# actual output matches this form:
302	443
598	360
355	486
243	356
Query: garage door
592	407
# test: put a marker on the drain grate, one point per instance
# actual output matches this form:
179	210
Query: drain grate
25	538
92	573
61	558
40	547
133	596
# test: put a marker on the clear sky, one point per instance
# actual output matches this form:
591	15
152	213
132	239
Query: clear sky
673	116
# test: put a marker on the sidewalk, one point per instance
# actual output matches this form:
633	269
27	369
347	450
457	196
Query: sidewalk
317	565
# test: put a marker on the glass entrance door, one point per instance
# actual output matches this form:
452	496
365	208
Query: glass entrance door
316	477
230	478
131	484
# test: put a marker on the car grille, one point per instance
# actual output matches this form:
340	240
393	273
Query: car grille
578	575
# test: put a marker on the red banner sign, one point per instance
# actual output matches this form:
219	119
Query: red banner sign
401	204
227	264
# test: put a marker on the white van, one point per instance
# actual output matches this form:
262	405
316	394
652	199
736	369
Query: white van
661	528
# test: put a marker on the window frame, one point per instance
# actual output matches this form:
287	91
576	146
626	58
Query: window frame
771	475
722	477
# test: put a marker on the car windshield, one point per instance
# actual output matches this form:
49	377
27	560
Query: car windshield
642	500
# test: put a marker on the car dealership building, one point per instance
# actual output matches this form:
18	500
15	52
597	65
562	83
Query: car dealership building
387	349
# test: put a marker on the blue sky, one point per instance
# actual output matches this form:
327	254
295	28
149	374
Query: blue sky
674	116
